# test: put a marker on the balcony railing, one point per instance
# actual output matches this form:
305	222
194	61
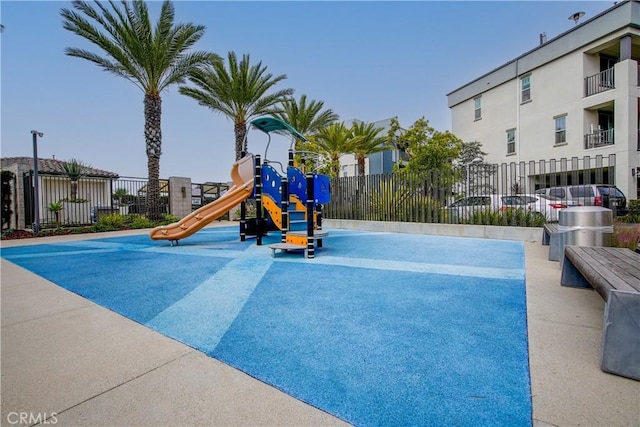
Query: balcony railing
599	138
600	82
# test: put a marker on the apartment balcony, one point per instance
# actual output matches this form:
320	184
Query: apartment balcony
599	138
601	82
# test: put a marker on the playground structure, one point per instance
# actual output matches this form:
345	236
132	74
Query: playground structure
242	177
290	202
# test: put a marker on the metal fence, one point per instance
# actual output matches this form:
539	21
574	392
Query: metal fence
84	202
390	197
427	197
66	202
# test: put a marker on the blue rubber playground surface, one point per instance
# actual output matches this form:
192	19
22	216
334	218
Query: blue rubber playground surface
380	329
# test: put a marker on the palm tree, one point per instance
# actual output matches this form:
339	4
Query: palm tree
306	118
55	208
152	57
238	92
120	194
332	142
367	140
74	170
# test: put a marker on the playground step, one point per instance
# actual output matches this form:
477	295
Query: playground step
297	215
318	234
299	225
286	247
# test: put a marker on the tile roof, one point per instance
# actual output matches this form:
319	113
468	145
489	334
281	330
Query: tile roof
53	167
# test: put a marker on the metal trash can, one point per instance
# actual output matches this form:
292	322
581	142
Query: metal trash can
585	226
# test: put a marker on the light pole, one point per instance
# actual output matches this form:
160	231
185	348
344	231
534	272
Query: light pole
476	160
36	205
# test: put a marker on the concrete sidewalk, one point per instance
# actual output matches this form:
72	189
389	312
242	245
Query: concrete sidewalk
69	361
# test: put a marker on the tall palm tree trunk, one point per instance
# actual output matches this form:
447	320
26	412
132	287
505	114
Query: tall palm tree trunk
240	130
153	139
361	164
74	189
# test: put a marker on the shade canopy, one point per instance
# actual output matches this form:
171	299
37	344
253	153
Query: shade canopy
271	124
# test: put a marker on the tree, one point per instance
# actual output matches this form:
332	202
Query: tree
120	194
367	140
306	118
331	143
152	57
470	151
471	161
55	208
427	148
238	92
74	170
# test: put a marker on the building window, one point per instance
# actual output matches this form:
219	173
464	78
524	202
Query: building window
345	170
525	89
511	141
477	111
561	129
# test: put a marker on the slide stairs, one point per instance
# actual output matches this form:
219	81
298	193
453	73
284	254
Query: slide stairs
295	232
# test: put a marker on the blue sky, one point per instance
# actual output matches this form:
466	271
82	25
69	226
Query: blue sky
365	60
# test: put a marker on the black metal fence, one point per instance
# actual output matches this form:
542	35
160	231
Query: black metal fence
600	82
390	197
427	197
63	202
66	202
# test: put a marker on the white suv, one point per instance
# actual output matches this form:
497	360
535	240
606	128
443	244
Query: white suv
467	206
605	195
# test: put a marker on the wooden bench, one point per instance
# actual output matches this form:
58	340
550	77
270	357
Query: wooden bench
615	274
551	238
558	237
549	230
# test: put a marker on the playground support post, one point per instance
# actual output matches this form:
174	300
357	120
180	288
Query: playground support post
284	182
258	185
310	209
243	216
319	221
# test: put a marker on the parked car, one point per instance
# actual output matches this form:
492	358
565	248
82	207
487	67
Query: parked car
466	207
605	195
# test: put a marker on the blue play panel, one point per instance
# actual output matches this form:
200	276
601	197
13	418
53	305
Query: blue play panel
379	329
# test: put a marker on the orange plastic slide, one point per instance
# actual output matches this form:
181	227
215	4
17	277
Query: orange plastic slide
242	175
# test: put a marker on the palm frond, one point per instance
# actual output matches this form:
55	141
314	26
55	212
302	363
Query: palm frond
153	57
236	89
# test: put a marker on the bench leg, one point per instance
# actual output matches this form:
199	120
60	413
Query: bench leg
554	247
572	277
621	335
545	237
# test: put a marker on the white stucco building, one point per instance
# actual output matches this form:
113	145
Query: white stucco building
574	95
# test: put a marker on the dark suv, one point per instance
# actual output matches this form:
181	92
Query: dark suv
605	195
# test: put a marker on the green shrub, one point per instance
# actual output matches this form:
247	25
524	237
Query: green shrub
110	222
509	217
633	216
169	219
139	221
